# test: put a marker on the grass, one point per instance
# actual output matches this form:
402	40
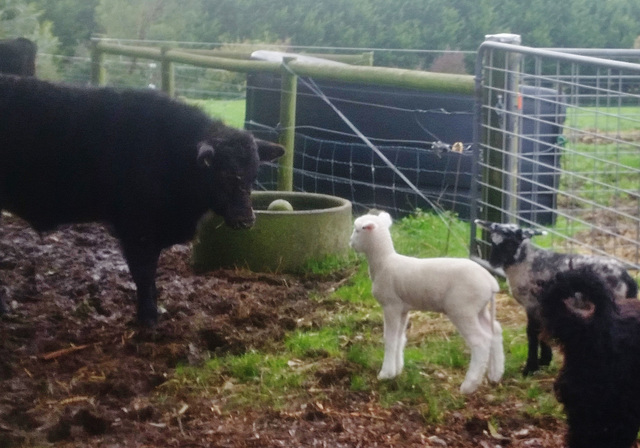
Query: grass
350	341
592	162
604	119
232	112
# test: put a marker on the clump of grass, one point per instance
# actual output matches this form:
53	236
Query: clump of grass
431	235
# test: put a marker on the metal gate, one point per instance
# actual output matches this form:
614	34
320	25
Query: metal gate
557	141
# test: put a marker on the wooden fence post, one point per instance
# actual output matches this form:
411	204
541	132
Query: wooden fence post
287	132
97	66
167	81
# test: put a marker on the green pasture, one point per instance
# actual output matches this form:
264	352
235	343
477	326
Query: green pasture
604	119
230	111
600	159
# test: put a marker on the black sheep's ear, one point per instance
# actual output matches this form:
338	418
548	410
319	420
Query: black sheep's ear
268	151
205	154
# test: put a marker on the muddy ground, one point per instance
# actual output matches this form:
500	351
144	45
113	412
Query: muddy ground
76	372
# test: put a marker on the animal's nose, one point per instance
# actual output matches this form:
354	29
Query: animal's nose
242	222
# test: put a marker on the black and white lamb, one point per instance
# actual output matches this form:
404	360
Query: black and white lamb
528	267
457	287
600	337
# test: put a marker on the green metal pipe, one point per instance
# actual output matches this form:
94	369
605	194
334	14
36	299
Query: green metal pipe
168	83
395	77
97	67
287	133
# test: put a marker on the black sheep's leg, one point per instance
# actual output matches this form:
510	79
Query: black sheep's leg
533	333
545	354
3	305
143	262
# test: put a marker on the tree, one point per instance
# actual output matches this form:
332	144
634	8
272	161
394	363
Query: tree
148	19
73	21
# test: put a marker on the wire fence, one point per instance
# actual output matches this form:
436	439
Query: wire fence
560	132
557	133
414	130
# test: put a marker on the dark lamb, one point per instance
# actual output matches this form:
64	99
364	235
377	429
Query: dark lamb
527	268
144	164
600	337
18	57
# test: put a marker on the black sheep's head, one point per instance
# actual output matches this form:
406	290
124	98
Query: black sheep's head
229	163
506	240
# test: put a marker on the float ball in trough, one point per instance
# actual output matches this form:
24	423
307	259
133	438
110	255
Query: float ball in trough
280	205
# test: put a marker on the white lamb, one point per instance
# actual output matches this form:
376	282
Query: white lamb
457	287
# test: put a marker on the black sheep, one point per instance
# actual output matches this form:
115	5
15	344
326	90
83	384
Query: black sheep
527	267
144	164
600	337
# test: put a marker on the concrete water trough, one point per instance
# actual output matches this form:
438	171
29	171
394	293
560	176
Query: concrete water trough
280	241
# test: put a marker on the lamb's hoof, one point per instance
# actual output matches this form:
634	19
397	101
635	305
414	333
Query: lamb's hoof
529	370
386	375
468	388
495	376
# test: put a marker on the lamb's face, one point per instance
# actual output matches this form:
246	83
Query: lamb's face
506	240
364	229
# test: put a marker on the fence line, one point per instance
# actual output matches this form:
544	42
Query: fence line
567	163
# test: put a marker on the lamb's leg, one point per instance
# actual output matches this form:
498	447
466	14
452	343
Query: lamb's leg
533	333
492	327
479	342
496	358
402	341
393	334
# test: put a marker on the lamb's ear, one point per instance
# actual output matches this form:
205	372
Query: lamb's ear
369	225
268	151
385	219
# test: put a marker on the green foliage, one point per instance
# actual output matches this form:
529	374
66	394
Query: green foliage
73	21
24	19
148	19
406	24
18	18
